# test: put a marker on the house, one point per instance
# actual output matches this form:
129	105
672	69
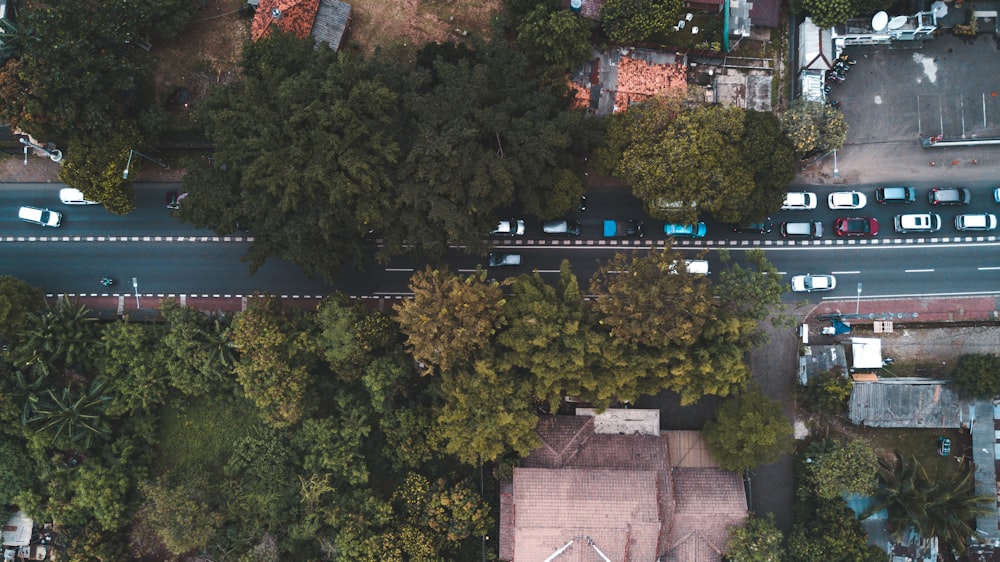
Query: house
17	540
323	20
818	359
612	486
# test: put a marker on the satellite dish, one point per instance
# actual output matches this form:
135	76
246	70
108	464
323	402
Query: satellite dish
897	22
880	20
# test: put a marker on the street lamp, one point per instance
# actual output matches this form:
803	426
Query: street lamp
54	155
836	172
150	158
857	310
135	285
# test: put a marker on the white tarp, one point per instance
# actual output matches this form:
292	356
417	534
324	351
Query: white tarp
867	353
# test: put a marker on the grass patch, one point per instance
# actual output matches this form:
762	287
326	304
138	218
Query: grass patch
922	443
203	433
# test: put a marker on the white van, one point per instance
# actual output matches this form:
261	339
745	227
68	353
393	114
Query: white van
694	267
70	196
813	229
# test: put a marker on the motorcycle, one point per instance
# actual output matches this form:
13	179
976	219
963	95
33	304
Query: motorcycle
107	281
847	59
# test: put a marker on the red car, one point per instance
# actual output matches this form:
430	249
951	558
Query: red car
856	226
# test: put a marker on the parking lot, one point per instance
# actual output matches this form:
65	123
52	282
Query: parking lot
893	97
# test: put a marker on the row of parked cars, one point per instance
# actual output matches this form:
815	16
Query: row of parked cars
45	217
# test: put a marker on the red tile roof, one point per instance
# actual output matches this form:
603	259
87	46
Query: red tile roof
296	16
639	80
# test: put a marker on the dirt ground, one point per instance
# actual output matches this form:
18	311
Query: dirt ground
409	23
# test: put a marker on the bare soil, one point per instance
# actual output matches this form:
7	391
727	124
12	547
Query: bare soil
406	25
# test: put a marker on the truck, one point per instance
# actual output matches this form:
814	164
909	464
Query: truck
628	228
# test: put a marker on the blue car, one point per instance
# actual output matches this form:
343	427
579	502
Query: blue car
685	230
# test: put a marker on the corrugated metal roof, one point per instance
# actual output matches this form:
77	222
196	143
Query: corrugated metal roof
331	22
908	402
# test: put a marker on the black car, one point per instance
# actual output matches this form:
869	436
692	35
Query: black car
895	195
759	227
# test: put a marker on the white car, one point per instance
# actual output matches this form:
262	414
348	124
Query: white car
810	283
799	201
70	196
509	228
43	217
847	200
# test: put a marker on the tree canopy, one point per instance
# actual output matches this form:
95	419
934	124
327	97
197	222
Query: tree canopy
732	163
814	126
748	430
977	374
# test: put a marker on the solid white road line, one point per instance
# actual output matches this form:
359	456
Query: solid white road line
918	270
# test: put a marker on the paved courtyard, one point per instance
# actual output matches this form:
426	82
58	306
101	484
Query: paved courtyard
893	97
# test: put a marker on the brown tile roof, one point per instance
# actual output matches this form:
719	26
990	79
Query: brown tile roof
638	80
581	486
296	16
615	509
709	500
580	95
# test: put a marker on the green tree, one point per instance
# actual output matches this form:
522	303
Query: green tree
547	335
814	126
630	21
95	163
827	13
72	417
441	514
752	291
827	394
199	352
833	467
57	339
977	374
485	413
449	317
179	512
17	299
100	492
556	38
748	430
17	474
277	360
756	541
831	532
650	300
329	122
943	506
770	155
132	364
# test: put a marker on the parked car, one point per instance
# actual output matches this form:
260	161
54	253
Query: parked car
696	230
847	200
799	201
509	228
70	196
996	195
42	217
624	229
761	227
856	226
503	259
810	283
694	267
917	222
561	227
895	195
949	196
812	229
173	200
978	221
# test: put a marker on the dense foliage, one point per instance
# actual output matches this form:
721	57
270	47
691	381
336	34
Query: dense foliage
318	150
977	374
756	541
814	126
281	434
748	430
732	163
833	467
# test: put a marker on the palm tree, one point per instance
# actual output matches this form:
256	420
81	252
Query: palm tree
70	417
943	507
57	339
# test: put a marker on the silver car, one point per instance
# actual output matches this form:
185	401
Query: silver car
810	283
502	259
509	228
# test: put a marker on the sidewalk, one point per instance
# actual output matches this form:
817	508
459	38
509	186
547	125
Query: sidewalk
40	169
949	310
